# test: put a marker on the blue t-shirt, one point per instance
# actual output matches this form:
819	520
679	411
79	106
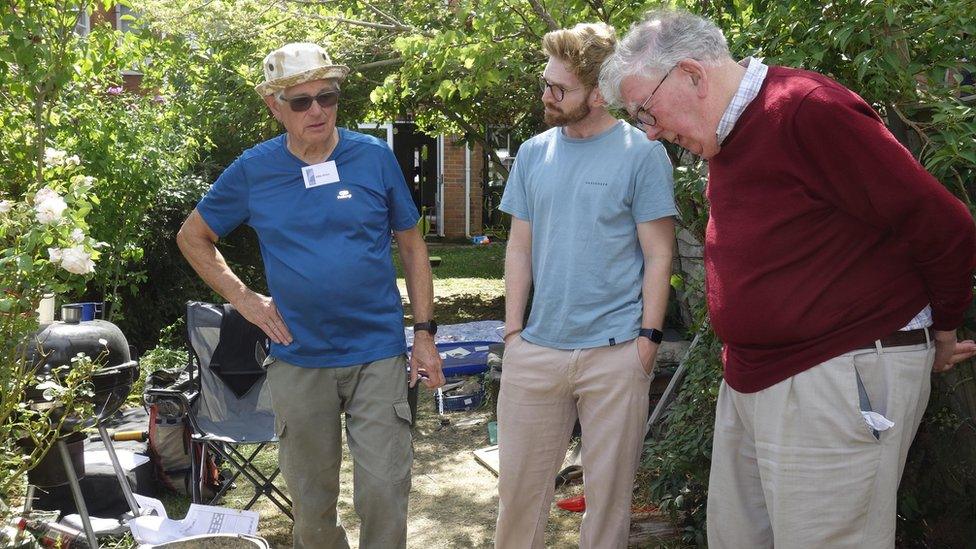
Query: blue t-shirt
326	249
584	199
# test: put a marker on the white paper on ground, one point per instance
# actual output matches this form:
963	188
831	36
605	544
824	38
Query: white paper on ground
200	519
877	421
481	348
101	526
457	352
127	459
150	506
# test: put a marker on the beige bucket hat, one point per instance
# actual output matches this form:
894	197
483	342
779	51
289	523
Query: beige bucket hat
297	63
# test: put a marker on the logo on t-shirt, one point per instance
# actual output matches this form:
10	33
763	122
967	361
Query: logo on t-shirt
596	183
343	194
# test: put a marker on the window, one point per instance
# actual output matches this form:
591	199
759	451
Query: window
83	24
124	18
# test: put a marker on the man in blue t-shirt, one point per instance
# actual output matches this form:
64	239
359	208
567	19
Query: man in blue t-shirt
325	203
592	232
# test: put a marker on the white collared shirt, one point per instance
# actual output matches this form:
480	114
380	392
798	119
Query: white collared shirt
748	90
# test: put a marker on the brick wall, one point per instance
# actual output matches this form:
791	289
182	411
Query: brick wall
131	82
100	15
454	174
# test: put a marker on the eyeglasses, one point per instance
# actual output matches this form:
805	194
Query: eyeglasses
558	92
641	117
304	102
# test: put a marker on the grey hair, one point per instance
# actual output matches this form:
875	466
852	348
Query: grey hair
658	42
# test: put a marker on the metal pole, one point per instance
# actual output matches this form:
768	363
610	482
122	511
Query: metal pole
119	473
29	500
76	493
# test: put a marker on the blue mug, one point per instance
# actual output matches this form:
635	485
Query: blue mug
90	309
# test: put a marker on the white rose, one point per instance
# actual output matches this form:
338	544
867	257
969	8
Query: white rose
54	157
45	194
54	254
77	236
76	260
5	206
49	206
73	160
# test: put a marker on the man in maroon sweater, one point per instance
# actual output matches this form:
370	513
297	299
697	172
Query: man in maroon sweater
837	271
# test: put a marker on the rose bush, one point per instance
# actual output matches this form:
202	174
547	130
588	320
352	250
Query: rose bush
44	248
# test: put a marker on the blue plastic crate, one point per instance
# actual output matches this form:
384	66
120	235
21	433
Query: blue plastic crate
475	362
458	403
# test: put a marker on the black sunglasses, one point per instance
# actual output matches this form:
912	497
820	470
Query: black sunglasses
304	102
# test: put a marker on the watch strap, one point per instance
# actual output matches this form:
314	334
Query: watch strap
429	326
655	335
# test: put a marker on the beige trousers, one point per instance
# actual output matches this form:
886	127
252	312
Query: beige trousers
543	391
307	404
796	465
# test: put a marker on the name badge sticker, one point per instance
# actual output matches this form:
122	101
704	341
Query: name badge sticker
324	173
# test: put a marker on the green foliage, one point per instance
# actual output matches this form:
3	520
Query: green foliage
46	201
161	299
67	89
904	57
139	147
937	499
169	354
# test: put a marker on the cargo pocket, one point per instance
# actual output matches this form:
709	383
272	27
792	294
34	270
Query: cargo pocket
279	423
402	409
279	427
401	457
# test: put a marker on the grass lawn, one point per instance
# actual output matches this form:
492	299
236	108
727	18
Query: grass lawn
465	261
468	284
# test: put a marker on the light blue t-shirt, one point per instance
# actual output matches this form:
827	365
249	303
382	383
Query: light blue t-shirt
326	249
584	199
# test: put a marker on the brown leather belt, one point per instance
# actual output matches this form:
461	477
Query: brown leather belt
902	339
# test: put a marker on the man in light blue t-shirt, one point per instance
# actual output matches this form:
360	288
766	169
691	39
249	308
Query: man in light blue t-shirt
325	204
592	233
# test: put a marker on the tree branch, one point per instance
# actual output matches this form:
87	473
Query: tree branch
477	135
913	125
543	14
600	9
381	13
375	64
356	22
525	20
396	27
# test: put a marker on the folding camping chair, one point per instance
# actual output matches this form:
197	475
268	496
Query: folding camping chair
232	405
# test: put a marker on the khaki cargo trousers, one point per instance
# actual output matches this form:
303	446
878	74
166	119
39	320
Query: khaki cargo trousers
307	403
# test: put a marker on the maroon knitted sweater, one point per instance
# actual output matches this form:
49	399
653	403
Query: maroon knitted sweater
824	233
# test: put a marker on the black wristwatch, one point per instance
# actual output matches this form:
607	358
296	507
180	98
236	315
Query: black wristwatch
656	336
429	326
